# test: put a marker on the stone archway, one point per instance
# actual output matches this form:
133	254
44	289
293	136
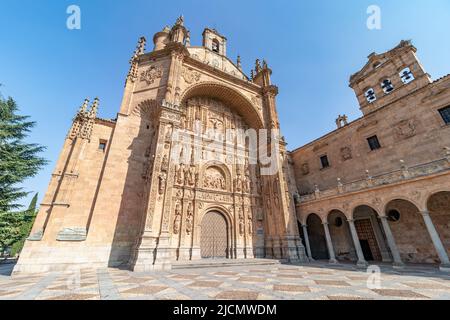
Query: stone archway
341	236
370	234
317	239
214	237
438	205
410	233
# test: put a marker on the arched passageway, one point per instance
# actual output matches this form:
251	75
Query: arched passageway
438	205
341	236
316	235
411	236
370	234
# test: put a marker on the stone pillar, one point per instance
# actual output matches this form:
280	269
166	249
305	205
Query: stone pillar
385	256
269	248
276	248
308	246
398	263
440	249
329	243
361	260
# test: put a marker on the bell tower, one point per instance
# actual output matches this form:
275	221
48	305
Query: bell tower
388	77
214	41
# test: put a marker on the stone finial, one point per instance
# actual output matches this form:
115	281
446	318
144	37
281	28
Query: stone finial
339	185
180	21
238	62
257	66
447	153
264	64
403	165
188	39
404	168
140	48
84	106
94	108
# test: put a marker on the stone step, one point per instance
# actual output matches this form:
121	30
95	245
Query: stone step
217	263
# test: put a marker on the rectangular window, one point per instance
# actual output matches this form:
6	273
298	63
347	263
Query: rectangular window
324	161
374	144
445	114
102	145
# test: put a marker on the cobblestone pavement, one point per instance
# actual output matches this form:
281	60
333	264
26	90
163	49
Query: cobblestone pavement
283	281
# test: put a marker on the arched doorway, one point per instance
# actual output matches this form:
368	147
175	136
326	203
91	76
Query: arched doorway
214	242
317	240
370	234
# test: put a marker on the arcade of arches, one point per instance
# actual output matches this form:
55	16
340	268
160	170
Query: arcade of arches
401	233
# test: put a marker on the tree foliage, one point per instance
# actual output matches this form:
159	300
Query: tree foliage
18	160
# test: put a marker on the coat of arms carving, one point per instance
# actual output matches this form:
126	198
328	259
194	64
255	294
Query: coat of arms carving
405	129
190	76
346	153
151	74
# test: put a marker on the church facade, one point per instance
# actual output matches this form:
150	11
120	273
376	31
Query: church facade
194	167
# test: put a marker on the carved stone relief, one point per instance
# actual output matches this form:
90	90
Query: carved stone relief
405	129
346	153
190	75
151	74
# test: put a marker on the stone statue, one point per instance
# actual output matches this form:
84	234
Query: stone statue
241	227
162	182
189	225
165	163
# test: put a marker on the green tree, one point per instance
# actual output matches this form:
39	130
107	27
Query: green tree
26	223
18	160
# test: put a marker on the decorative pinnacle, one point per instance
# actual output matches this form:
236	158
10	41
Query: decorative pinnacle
180	21
84	106
94	108
257	66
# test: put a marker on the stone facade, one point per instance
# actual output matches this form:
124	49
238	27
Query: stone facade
128	192
390	167
133	192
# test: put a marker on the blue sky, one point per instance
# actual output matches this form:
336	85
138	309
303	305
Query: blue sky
312	46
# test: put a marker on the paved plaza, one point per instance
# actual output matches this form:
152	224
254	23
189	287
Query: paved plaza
318	281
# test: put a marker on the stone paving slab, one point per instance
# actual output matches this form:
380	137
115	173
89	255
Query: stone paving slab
318	281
